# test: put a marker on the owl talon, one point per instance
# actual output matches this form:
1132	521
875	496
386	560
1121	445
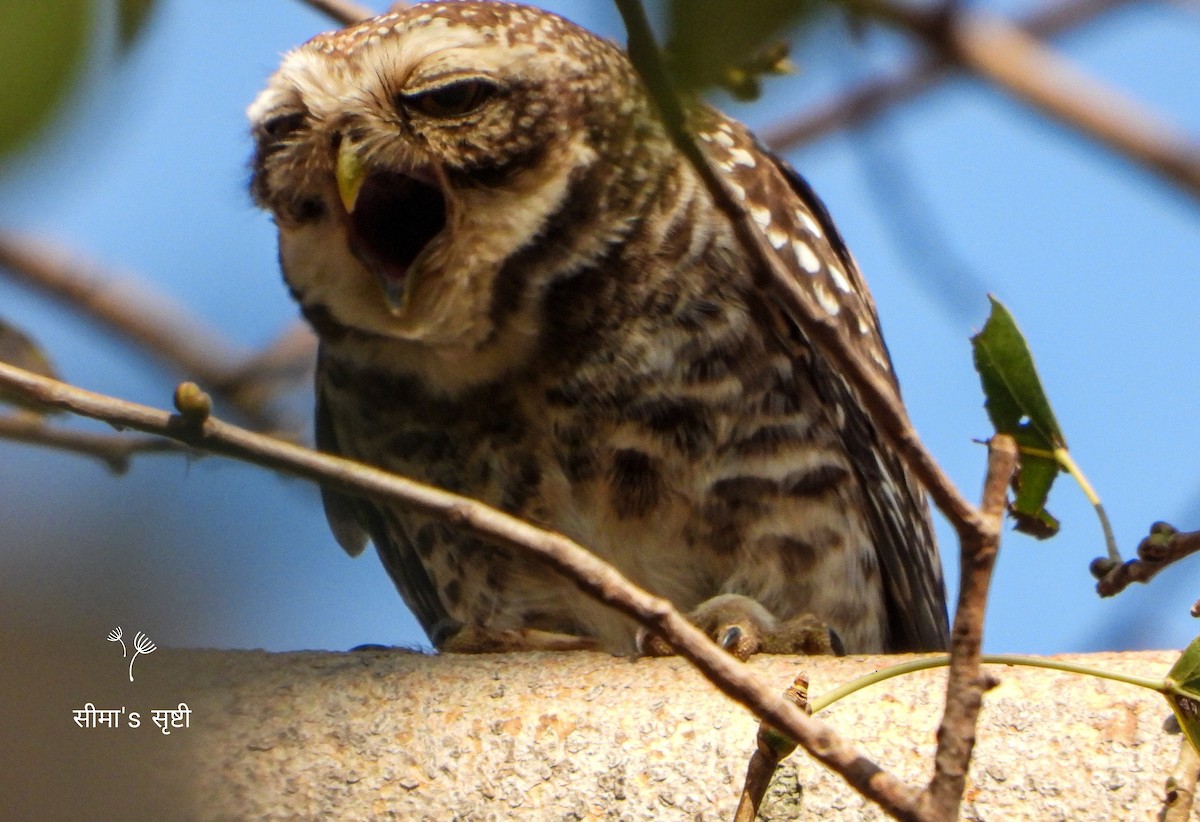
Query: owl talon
731	637
743	627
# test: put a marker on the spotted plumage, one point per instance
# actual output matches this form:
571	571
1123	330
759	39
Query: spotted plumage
525	294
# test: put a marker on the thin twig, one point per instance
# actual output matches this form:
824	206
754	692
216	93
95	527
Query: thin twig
114	450
1162	547
345	12
875	96
156	325
1181	785
593	576
966	682
771	748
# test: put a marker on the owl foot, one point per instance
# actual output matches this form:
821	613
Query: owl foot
743	627
472	639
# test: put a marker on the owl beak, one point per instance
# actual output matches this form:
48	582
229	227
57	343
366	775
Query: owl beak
351	173
391	217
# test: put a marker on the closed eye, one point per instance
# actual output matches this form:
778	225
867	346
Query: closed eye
451	100
281	125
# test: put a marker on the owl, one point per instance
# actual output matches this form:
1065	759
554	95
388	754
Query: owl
525	294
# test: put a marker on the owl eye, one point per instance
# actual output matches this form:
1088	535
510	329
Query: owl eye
282	125
452	100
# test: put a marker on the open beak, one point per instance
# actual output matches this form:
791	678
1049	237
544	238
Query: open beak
351	174
392	217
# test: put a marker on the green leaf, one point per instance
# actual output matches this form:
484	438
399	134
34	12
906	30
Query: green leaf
731	43
1017	405
42	46
1183	692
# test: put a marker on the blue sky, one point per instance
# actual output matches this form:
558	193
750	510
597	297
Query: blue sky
956	194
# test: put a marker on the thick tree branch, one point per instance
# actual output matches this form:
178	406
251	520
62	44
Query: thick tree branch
590	574
966	682
874	97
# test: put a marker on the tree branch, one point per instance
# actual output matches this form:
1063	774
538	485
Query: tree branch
1162	547
966	681
345	12
153	322
114	451
872	98
590	574
1030	71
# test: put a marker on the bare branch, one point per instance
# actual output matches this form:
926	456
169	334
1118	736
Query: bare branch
590	574
153	322
1029	70
115	451
874	97
771	748
966	681
1181	785
345	12
1162	547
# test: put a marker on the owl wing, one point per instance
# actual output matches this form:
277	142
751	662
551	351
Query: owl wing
797	225
353	521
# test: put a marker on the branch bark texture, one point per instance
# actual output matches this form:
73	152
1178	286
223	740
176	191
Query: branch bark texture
387	734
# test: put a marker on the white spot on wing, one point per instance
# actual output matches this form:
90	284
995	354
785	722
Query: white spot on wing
777	236
839	279
741	157
826	299
863	327
761	215
810	223
806	256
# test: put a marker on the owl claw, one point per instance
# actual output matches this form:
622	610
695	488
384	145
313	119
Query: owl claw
743	627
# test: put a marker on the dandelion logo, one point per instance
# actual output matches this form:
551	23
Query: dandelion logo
115	636
141	645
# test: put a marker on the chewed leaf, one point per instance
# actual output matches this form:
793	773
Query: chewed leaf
1032	484
1183	692
1017	405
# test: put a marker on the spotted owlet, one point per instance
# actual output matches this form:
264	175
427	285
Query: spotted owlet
525	294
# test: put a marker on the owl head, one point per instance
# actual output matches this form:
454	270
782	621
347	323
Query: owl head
429	170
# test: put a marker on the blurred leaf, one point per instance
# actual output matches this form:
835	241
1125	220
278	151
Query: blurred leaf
42	46
1183	692
19	349
132	17
730	42
1017	405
